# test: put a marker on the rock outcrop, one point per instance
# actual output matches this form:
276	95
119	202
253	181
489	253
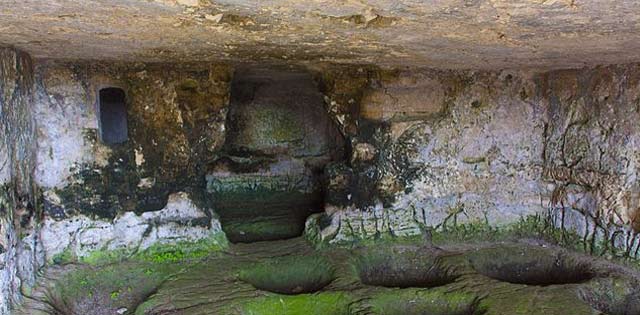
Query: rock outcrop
178	222
20	252
340	121
100	197
489	148
176	124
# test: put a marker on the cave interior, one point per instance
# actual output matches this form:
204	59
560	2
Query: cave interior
325	157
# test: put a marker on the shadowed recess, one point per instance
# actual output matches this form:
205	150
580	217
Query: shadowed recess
404	267
268	178
530	265
114	289
113	116
290	275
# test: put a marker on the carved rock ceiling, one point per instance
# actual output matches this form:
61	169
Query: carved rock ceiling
473	34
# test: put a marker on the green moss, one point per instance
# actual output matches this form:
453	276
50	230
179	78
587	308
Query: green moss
255	208
105	287
205	286
451	231
157	253
62	258
326	303
296	188
417	302
534	226
404	266
100	257
162	253
115	294
290	275
557	300
110	280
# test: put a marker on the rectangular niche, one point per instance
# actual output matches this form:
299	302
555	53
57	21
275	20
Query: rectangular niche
113	115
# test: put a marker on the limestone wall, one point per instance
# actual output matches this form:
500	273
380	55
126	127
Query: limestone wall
19	251
149	189
435	148
592	154
426	149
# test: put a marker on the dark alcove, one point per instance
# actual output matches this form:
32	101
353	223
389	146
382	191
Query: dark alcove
267	180
113	115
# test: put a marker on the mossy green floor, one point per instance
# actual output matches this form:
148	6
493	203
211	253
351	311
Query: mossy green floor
332	281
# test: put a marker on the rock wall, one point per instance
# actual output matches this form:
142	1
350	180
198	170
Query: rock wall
180	221
279	139
592	155
426	149
96	192
20	255
436	148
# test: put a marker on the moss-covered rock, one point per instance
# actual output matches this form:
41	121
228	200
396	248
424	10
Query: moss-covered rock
175	119
404	266
530	265
290	275
110	289
417	302
328	303
180	222
264	205
616	295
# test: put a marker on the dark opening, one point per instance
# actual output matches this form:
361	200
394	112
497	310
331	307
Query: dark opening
404	267
531	266
113	116
290	274
267	179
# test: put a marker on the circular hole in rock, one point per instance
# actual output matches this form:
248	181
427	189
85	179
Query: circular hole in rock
404	267
613	296
112	289
530	265
290	275
432	302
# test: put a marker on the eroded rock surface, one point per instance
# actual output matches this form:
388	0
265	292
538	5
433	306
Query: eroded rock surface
375	152
485	34
176	121
279	138
20	250
488	147
470	150
178	222
290	278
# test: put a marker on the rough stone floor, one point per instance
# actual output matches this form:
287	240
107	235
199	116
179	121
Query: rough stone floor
290	277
